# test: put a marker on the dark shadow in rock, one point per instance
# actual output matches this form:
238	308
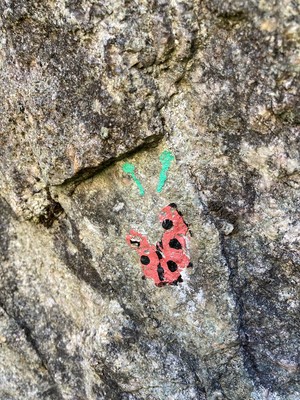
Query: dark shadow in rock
268	327
6	214
80	262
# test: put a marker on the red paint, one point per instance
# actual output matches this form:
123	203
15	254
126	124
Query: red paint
144	249
171	213
177	257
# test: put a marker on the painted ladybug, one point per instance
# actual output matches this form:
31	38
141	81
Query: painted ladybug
164	261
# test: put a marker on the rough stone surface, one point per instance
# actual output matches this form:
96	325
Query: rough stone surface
87	85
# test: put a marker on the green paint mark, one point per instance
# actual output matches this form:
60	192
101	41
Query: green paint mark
129	169
166	158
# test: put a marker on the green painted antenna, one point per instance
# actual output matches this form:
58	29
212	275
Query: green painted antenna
166	158
129	169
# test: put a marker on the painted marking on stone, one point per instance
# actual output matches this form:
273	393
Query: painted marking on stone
129	169
166	158
164	262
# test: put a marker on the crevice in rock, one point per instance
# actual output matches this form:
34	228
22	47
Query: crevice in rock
89	172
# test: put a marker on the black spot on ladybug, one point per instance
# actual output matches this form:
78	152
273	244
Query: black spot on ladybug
160	272
180	279
175	244
167	224
173	205
159	255
145	260
135	243
190	265
172	265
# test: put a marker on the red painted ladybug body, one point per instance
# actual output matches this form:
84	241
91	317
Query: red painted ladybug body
164	262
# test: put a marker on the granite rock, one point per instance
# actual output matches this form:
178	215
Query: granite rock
89	85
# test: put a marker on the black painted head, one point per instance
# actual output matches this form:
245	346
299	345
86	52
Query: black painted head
173	205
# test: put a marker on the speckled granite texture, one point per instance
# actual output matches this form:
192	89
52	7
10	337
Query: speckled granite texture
86	86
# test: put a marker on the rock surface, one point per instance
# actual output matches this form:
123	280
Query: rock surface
87	85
